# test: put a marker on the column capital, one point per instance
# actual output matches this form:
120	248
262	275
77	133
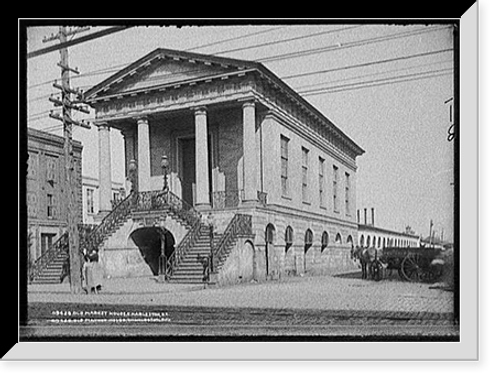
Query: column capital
248	101
102	125
200	110
143	119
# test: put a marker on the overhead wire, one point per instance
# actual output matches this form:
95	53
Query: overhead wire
308	52
378	82
347	45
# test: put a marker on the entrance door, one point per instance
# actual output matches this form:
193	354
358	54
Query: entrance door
187	159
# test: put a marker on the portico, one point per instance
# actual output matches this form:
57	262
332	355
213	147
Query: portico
212	177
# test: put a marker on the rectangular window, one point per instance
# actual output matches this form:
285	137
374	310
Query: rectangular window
335	188
284	166
51	169
305	174
347	193
90	201
50	206
321	182
32	165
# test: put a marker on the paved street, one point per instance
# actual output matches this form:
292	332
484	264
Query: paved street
296	306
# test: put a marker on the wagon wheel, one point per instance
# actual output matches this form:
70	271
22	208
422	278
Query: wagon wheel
410	268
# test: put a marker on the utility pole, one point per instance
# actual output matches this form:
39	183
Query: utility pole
70	185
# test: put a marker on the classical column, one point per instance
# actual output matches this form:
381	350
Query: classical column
143	155
249	153
105	192
201	158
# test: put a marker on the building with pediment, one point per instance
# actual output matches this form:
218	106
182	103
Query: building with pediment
214	141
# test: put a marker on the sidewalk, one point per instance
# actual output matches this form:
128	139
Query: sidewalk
318	292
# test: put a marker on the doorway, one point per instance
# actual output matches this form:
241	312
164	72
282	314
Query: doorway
270	233
149	241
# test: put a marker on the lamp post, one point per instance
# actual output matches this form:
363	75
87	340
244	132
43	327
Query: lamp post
211	235
164	166
132	168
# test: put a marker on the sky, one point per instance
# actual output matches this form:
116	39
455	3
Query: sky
385	86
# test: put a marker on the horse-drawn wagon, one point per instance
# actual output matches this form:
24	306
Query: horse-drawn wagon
412	263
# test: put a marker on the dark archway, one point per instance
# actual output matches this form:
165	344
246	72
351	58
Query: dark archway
270	236
149	241
308	241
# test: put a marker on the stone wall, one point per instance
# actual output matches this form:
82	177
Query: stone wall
119	255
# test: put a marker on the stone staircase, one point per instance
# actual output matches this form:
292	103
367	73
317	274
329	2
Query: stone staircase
184	265
190	269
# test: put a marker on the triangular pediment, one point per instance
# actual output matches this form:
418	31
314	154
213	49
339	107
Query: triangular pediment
165	68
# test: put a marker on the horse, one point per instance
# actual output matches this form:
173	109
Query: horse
365	256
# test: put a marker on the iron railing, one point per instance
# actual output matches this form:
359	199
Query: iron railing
59	246
120	213
136	201
240	225
180	250
167	201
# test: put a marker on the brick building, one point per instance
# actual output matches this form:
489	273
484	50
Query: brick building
245	150
47	218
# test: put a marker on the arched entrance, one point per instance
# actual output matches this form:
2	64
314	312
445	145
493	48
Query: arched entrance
151	241
308	241
270	235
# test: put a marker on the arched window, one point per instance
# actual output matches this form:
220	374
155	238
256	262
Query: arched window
288	237
324	240
338	239
308	239
349	240
383	243
379	242
270	230
368	241
374	241
362	241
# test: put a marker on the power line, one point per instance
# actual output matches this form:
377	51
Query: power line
384	61
306	87
348	45
234	38
283	56
379	82
287	40
79	40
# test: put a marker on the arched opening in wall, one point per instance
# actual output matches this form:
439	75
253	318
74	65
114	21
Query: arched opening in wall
368	241
308	241
350	241
362	241
246	269
270	238
324	240
374	241
379	244
151	241
288	248
383	243
288	238
338	239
